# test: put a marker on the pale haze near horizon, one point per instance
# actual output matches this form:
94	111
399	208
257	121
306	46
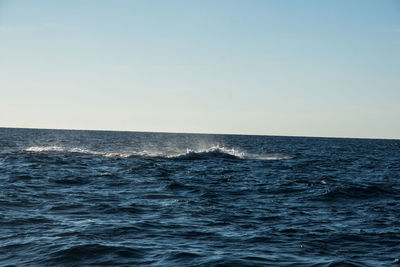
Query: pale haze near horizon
309	68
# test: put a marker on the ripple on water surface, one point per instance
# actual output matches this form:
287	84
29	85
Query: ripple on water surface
72	198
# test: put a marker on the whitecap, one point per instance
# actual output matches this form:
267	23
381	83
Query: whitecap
44	148
215	151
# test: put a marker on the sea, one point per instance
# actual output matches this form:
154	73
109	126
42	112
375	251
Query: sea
109	198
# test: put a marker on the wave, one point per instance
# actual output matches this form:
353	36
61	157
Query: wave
371	191
95	254
76	150
222	152
190	154
44	148
212	152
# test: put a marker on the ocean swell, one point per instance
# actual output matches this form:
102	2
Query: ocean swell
190	154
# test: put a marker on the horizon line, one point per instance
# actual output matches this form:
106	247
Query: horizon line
204	133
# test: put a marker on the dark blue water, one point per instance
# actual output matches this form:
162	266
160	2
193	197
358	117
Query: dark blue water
73	198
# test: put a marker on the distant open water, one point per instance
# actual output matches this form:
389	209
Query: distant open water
73	198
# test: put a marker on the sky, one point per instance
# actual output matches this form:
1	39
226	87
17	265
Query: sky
290	67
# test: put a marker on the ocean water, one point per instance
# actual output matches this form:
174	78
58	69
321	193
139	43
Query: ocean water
77	198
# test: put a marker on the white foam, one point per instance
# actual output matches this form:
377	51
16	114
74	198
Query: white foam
63	149
166	154
269	157
217	148
44	148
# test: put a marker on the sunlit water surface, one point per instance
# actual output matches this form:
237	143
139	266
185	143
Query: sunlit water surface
72	198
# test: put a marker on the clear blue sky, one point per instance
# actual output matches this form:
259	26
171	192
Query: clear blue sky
311	68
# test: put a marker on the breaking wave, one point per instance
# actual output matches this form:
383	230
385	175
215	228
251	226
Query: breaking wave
190	154
75	150
213	152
